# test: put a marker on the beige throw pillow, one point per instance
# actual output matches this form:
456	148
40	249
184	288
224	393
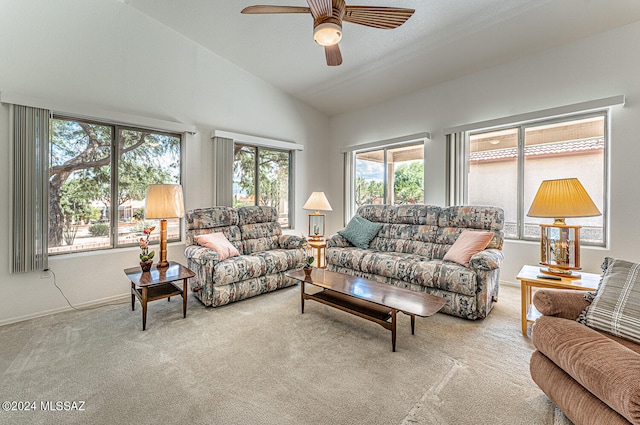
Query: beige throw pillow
219	243
467	245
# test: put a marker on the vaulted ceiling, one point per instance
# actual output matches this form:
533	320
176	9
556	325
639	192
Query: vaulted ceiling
443	40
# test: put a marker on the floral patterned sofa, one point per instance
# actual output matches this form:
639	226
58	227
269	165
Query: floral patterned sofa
408	252
266	254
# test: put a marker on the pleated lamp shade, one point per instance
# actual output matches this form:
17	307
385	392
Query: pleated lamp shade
318	202
562	198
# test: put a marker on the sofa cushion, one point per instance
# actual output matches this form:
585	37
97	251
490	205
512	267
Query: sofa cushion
219	243
260	236
606	368
389	264
453	277
407	238
203	221
360	231
468	244
616	306
235	269
349	257
281	260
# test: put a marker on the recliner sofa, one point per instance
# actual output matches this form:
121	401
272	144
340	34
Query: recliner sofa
266	254
408	252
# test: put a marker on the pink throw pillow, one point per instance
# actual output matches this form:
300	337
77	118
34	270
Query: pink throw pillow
467	244
219	243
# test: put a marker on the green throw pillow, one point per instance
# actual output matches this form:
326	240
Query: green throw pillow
360	231
616	306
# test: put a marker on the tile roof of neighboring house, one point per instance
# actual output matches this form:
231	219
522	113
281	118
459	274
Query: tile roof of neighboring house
542	149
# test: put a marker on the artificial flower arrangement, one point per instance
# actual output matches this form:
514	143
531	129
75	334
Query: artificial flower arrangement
144	245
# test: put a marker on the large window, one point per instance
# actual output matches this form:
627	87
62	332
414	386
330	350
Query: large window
393	175
90	205
507	165
262	176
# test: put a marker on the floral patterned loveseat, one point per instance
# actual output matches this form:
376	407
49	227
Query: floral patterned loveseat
266	254
408	252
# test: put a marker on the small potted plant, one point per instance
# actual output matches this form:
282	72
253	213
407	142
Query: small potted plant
308	266
146	257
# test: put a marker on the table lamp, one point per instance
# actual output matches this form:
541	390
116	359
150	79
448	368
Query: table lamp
560	243
164	201
317	201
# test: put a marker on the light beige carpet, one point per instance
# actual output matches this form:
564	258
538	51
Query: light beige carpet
260	361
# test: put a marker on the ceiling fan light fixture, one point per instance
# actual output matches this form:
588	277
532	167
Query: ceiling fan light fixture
327	34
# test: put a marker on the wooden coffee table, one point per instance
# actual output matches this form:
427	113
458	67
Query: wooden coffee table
374	301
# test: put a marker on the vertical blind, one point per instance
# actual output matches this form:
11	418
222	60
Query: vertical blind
224	171
456	168
29	209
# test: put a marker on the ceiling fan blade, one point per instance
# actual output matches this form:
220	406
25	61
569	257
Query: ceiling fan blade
334	57
320	8
257	10
377	17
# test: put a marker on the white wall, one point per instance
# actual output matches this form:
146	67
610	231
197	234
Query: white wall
104	54
593	68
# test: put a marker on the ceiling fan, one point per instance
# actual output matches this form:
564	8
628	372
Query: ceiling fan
328	16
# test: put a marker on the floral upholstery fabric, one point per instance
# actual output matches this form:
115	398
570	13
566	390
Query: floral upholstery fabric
408	252
220	295
267	254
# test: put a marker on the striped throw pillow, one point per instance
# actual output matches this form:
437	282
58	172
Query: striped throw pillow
616	306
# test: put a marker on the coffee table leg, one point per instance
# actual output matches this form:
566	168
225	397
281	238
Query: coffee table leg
413	324
145	297
302	296
393	329
184	298
133	297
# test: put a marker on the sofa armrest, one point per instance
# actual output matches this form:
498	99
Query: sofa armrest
290	241
607	369
201	255
488	259
337	241
565	303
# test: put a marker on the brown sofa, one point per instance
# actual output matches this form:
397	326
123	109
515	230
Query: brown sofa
593	377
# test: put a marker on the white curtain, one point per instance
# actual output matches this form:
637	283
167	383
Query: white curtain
29	132
224	171
456	168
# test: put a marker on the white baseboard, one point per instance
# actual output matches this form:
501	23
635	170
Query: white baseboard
80	306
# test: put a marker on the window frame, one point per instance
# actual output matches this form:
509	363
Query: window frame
114	163
385	179
290	184
521	128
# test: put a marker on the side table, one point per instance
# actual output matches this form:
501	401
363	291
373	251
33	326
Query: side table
156	284
321	248
529	279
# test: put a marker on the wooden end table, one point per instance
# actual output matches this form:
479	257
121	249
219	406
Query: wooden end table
529	279
321	247
156	284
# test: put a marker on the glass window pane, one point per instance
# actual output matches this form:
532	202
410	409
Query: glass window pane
369	178
244	170
406	169
564	150
79	186
145	158
493	157
273	189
